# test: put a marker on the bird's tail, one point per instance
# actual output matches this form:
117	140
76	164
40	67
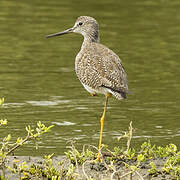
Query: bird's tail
118	95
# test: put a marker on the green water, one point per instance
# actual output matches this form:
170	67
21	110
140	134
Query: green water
38	81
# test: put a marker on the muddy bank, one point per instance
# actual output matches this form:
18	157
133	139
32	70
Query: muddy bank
89	169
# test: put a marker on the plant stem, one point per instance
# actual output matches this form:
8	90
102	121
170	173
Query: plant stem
15	147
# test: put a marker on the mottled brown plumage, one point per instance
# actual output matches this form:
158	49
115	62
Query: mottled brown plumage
98	68
101	70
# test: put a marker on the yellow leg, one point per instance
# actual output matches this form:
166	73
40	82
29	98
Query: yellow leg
102	125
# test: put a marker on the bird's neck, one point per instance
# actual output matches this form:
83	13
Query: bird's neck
90	38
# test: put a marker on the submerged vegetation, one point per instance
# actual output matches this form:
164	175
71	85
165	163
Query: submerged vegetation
149	162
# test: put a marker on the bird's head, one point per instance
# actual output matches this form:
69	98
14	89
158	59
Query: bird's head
85	25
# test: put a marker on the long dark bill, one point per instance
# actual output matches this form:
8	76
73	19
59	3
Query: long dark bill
60	33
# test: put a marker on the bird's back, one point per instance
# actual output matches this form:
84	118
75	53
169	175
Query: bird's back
100	68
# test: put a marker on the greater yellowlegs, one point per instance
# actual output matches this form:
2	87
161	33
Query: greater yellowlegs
98	68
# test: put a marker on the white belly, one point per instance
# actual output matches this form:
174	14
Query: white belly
101	90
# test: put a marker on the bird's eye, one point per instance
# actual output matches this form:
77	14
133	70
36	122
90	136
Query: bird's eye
80	23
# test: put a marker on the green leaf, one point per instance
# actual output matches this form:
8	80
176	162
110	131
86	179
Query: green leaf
1	101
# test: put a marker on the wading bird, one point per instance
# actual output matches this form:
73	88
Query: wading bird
97	67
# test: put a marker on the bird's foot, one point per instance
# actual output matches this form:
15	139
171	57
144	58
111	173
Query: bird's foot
99	158
93	94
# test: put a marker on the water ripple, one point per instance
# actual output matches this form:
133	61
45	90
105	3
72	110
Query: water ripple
64	123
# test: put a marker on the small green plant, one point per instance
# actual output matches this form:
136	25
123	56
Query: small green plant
49	170
130	153
140	158
79	157
148	150
153	171
172	165
128	136
2	121
1	101
7	147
